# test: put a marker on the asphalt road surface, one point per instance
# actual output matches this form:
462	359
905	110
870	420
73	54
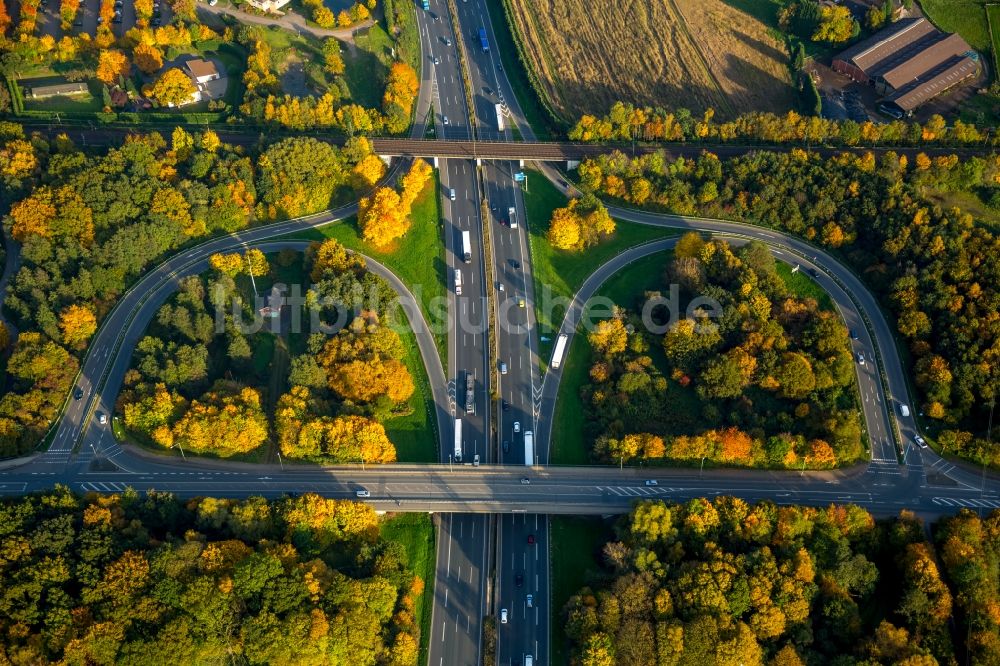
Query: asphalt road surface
462	544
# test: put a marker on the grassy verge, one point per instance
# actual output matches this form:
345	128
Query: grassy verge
414	434
801	285
415	532
576	544
558	274
570	444
417	259
541	122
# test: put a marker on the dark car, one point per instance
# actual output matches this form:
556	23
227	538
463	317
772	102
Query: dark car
854	334
78	393
813	272
515	263
505	405
117	19
519	580
531	539
506	445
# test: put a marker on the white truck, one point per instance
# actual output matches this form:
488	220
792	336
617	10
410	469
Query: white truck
529	448
458	440
466	247
499	117
512	217
458	282
557	353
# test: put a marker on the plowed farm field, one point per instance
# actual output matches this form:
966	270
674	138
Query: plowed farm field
669	53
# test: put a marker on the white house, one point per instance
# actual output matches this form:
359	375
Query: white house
202	73
268	5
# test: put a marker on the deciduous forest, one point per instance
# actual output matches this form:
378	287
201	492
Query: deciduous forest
725	582
753	374
91	223
900	223
147	579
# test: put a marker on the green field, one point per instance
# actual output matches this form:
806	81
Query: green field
417	259
415	532
966	17
576	545
558	274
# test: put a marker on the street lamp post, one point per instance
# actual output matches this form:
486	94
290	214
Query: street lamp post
702	470
280	462
451	468
184	457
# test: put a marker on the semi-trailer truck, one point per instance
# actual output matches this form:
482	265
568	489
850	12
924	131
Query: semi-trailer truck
483	41
512	217
458	440
466	247
529	448
470	396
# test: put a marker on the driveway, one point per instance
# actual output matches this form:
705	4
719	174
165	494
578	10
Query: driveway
290	21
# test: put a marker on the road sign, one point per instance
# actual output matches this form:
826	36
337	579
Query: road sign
520	177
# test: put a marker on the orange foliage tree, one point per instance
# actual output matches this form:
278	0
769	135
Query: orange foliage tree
148	58
112	65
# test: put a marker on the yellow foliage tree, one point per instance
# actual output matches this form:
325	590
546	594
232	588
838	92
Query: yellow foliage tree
564	229
413	183
368	171
112	65
609	337
226	420
227	264
77	323
173	88
381	217
148	58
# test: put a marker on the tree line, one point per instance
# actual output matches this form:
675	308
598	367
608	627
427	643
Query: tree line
131	579
626	122
901	226
755	376
90	223
726	582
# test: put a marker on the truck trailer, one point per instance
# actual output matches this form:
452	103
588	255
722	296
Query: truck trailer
529	448
458	440
466	247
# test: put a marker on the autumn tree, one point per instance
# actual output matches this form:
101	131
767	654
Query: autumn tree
148	58
173	88
382	217
333	62
609	337
227	420
78	324
836	25
112	65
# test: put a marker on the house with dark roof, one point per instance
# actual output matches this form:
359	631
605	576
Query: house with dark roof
909	63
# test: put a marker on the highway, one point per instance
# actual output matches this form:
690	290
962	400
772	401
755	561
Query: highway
461	569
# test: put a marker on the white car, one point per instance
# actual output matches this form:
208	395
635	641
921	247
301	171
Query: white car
362	493
530	601
921	442
651	482
446	120
503	616
861	358
517	427
102	418
503	368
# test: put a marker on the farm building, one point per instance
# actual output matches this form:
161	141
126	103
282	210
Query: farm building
909	63
41	92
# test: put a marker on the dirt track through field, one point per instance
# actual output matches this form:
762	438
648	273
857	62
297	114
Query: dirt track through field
671	53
